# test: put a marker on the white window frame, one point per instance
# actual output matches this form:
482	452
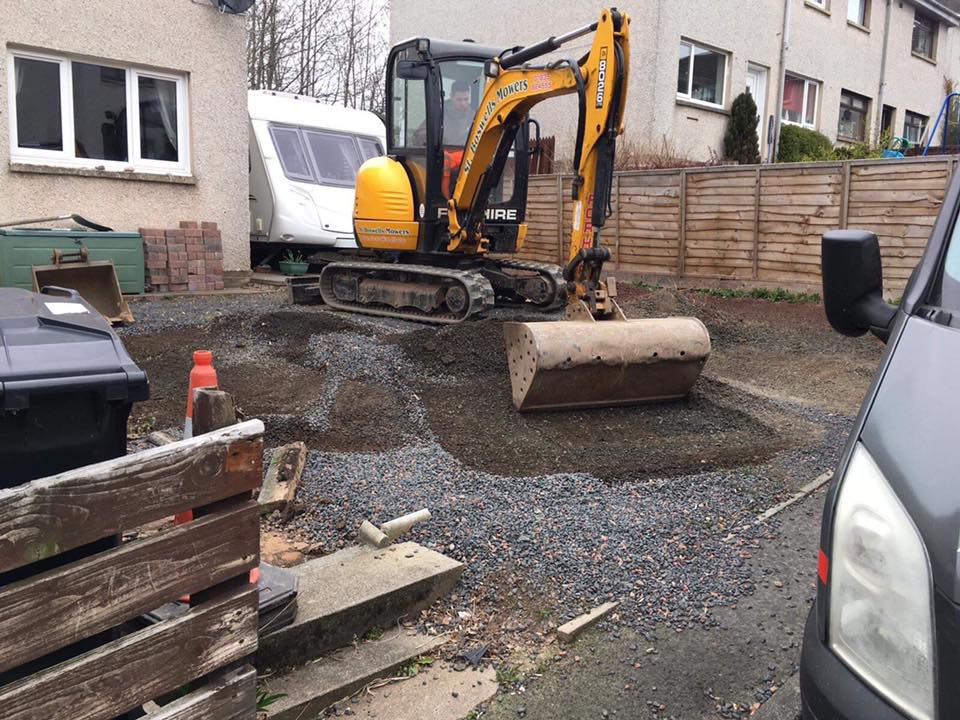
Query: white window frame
688	96
67	157
861	5
807	82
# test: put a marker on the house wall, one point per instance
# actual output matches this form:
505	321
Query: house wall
822	46
180	36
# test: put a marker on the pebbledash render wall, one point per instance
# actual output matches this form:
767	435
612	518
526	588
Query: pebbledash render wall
822	46
184	37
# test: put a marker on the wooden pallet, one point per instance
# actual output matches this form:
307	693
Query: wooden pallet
71	641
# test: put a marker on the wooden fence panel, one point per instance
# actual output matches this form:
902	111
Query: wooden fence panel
724	246
757	224
541	219
649	223
797	205
915	191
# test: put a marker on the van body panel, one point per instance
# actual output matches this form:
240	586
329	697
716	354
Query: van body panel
913	434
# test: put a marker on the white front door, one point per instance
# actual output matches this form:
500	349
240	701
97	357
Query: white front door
757	87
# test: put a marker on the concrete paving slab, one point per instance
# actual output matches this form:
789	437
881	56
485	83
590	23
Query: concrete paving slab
439	693
345	594
312	688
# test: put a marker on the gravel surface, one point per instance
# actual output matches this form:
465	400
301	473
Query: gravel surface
552	513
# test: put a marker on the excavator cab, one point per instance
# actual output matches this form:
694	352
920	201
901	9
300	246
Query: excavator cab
434	88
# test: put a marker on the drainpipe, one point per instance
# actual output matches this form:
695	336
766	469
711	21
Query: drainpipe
778	108
883	73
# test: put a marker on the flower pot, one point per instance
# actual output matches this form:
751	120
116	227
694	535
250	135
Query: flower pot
289	267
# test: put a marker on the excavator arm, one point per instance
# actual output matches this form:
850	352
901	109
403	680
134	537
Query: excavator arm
599	79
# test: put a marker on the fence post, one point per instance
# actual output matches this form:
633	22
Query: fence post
561	260
681	258
756	225
616	264
845	194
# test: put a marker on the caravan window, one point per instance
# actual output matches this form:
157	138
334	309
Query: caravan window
293	157
335	156
369	148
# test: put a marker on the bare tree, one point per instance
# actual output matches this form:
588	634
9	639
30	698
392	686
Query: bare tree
328	49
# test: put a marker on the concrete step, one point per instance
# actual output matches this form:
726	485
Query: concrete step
313	687
347	593
435	694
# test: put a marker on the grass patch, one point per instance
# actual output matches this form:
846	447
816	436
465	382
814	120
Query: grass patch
414	667
775	295
374	633
507	675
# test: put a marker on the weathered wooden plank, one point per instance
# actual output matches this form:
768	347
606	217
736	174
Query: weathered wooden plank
126	673
283	474
55	514
899	170
225	696
50	611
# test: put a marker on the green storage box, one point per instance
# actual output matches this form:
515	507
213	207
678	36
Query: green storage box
22	248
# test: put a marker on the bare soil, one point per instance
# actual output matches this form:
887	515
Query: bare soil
459	375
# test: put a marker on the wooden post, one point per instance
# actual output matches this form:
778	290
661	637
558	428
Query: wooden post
681	255
212	410
616	179
845	195
560	259
756	226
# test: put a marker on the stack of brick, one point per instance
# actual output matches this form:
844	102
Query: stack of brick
187	258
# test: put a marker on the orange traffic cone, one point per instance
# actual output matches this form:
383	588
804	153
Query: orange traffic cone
203	375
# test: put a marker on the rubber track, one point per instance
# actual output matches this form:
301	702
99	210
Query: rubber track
553	273
478	289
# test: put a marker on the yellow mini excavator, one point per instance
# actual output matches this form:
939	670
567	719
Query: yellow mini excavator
442	210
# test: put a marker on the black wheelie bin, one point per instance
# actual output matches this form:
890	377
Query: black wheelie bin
66	385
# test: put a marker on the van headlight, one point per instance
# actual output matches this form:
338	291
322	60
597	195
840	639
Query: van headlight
881	609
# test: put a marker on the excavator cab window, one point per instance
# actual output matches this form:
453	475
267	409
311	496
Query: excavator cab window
462	84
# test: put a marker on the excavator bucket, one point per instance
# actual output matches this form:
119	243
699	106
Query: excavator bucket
587	363
96	282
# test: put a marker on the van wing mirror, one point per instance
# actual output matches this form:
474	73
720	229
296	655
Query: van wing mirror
412	70
853	284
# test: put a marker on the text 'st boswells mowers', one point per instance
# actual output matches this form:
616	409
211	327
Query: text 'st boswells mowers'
446	205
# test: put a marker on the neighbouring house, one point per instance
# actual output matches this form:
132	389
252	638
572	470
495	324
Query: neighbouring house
848	68
131	113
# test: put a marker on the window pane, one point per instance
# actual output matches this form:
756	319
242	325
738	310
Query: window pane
708	74
335	156
853	116
409	112
924	31
293	157
683	76
810	116
158	119
100	112
857	12
914	127
793	99
369	148
39	124
463	83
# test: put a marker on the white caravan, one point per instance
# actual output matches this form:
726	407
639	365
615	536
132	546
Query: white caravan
304	156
